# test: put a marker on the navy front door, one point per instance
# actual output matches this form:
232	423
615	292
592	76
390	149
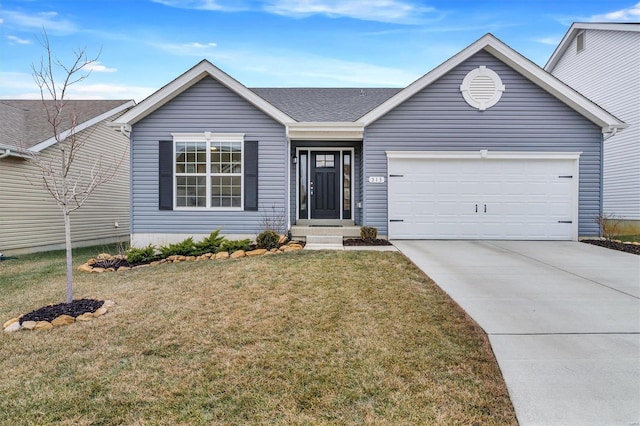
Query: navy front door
324	184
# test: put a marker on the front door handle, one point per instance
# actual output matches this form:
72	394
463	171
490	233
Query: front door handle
485	208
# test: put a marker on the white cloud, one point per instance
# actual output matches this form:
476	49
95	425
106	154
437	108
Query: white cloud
98	67
213	5
109	91
18	40
49	20
15	85
629	14
551	41
186	49
391	11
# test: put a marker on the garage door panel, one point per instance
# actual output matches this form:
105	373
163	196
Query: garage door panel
515	198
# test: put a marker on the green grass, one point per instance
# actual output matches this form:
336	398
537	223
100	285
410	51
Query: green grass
301	338
629	238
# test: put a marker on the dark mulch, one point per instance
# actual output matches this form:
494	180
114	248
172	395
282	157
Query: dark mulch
361	242
74	309
615	245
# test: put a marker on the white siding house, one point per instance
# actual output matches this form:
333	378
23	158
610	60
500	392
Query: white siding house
602	62
30	221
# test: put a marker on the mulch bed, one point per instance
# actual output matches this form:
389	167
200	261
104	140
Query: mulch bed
615	245
361	242
74	309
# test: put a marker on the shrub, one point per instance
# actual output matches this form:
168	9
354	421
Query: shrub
143	255
210	244
235	245
369	233
184	248
268	239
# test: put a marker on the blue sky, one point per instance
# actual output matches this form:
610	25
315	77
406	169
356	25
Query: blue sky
144	44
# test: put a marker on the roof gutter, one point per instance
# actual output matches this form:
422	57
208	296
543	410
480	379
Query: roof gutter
11	151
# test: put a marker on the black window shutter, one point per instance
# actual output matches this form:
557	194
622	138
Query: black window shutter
251	175
165	173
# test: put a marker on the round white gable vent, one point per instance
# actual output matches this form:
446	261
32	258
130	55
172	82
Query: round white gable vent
482	88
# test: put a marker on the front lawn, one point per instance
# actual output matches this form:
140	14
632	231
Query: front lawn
300	338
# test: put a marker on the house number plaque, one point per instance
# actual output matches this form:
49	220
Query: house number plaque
376	179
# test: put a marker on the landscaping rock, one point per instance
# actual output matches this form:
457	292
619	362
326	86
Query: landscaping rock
43	325
104	256
63	320
88	316
256	252
237	254
181	258
190	258
222	255
91	262
124	268
85	267
292	247
100	312
97	270
29	325
282	240
207	255
11	321
13	327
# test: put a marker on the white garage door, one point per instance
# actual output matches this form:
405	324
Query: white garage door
497	197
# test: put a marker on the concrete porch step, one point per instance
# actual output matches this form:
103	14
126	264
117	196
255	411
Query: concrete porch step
302	232
324	242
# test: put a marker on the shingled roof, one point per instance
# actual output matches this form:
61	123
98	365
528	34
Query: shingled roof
325	104
23	123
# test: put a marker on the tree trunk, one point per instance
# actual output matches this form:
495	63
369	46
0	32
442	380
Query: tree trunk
67	238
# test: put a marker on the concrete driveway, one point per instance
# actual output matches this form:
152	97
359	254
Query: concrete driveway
563	319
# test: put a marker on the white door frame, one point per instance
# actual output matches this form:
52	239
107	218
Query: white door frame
339	149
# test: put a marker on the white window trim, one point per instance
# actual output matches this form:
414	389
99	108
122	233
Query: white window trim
466	86
208	138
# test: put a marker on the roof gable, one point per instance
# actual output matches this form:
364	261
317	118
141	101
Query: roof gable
525	67
187	80
576	28
24	125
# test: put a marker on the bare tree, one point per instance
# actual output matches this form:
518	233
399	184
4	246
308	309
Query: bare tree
69	186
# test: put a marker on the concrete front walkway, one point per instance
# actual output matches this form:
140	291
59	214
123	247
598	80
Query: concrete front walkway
563	319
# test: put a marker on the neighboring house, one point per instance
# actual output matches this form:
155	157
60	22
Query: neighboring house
485	146
602	62
30	220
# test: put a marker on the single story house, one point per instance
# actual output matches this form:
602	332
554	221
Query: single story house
485	146
602	62
30	220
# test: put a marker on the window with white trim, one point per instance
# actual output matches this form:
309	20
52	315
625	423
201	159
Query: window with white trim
208	170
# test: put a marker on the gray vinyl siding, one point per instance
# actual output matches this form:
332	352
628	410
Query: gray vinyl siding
206	106
526	119
607	71
30	220
357	174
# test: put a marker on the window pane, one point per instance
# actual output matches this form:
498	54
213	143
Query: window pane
191	157
346	185
303	185
191	191
325	160
226	191
226	157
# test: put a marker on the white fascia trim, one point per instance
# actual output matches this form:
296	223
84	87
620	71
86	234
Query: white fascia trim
512	58
208	136
486	154
575	28
326	131
188	79
82	126
14	151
